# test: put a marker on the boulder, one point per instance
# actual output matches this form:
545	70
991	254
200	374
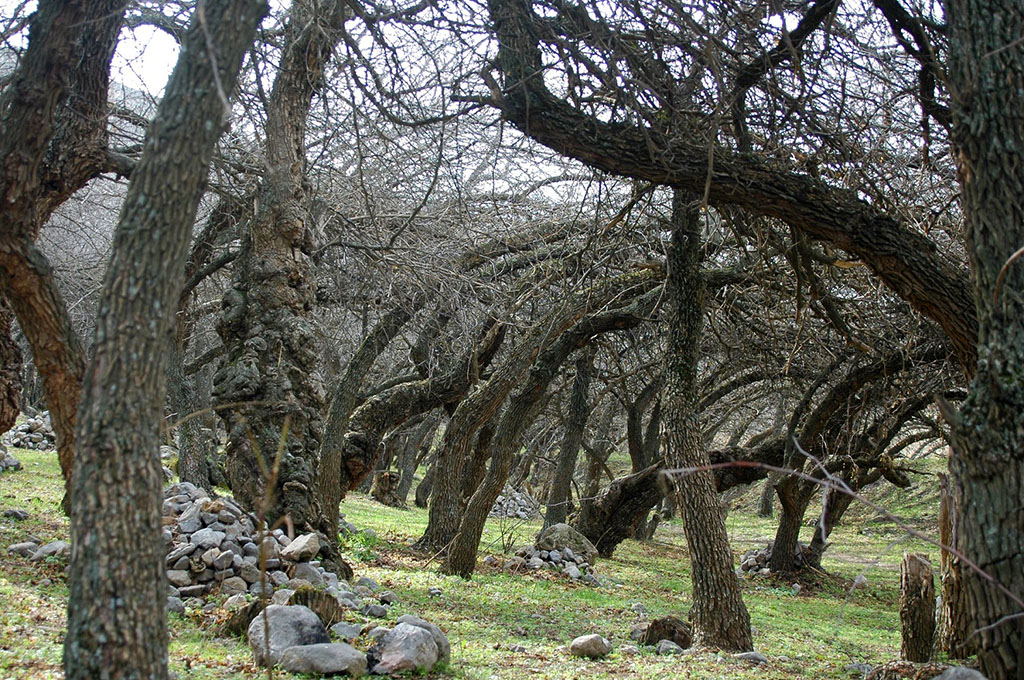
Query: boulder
54	549
290	626
302	548
444	648
332	658
591	646
668	648
403	648
561	536
756	658
959	673
347	631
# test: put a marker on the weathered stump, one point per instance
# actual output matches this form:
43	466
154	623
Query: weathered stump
917	608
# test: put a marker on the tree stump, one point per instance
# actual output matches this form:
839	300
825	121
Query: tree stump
385	487
917	608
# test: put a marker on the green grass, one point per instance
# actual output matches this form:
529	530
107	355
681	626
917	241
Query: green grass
811	635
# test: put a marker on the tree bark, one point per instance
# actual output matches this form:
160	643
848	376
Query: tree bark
10	369
986	81
268	326
117	582
954	630
718	615
575	424
917	608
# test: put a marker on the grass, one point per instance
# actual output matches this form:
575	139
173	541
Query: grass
813	634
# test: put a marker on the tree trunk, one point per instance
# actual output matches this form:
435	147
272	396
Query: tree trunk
954	631
116	619
423	491
417	450
477	467
575	424
194	446
917	608
615	514
718	614
794	497
10	369
268	325
766	504
986	81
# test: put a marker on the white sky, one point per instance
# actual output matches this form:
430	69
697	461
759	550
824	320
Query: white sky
144	59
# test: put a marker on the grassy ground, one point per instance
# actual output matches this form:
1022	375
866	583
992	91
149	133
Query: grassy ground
814	634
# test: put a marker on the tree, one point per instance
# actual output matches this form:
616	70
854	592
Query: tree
117	580
986	80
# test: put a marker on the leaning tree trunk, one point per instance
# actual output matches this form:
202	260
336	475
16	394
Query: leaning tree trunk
794	497
575	424
116	620
718	614
986	81
271	371
419	446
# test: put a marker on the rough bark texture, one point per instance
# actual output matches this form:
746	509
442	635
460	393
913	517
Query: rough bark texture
917	608
954	632
268	327
117	582
986	80
614	516
718	614
10	369
575	423
53	141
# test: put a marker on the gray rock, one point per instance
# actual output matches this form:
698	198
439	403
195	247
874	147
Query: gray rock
490	561
435	592
224	560
307	572
278	578
387	597
266	589
862	668
192	591
444	648
959	673
368	582
796	588
207	538
189	521
250	573
377	632
404	648
668	648
629	650
752	657
347	631
572	572
555	556
591	646
26	549
179	577
290	626
233	585
54	549
175	605
535	563
639	608
236	601
515	563
363	591
331	658
376	611
561	536
17	515
209	556
637	631
282	596
303	548
179	551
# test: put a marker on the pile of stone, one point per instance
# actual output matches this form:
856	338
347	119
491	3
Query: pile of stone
755	562
298	642
35	432
559	548
515	504
212	548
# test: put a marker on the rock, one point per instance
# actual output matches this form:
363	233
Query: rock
175	605
377	632
207	538
192	591
435	592
752	657
387	597
592	646
53	549
572	572
26	549
561	536
179	551
862	668
959	673
233	586
17	515
444	648
490	561
303	548
331	658
308	572
236	601
376	611
637	631
535	563
861	581
290	626
368	582
668	648
629	650
282	596
668	628
179	578
347	631
796	588
515	563
638	608
9	462
518	649
405	647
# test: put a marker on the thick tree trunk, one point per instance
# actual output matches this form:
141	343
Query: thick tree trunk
794	497
718	614
575	424
917	608
986	81
272	366
422	496
116	619
194	446
954	630
766	503
615	514
416	451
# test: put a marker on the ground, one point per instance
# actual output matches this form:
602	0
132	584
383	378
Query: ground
813	634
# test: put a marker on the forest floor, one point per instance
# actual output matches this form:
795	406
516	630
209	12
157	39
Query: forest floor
816	633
